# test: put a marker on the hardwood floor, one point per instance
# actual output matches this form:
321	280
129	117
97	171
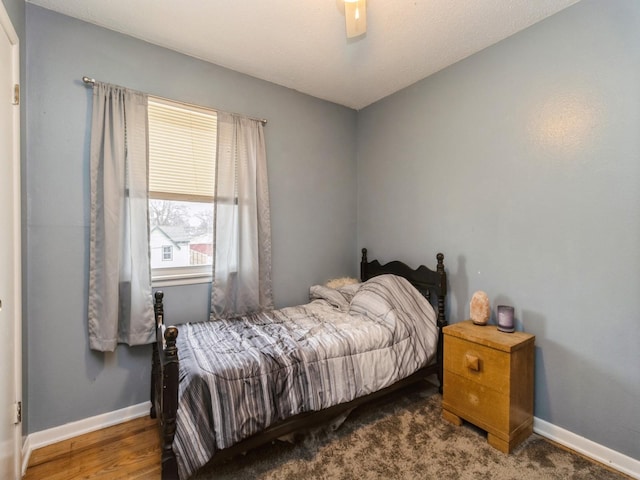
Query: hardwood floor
129	450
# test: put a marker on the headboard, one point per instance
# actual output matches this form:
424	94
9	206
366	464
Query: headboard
426	281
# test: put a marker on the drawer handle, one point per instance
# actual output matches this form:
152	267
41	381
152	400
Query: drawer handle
472	362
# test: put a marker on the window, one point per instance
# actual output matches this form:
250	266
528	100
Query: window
182	152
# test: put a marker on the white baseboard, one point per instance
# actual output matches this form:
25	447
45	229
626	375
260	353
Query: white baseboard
606	456
74	429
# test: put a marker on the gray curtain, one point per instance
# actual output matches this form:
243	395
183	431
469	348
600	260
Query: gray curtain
242	227
120	303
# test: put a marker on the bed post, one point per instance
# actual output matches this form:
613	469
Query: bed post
442	320
164	387
169	404
363	266
158	310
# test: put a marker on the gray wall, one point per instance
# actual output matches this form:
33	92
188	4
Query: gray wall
522	165
312	168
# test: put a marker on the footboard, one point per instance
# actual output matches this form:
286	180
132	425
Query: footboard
164	387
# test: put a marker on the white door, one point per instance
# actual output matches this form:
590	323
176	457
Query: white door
10	276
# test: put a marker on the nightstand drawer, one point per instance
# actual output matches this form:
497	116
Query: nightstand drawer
477	363
482	406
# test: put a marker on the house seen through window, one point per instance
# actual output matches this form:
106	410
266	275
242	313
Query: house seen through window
182	152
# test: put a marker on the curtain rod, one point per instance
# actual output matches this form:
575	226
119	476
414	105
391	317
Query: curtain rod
92	81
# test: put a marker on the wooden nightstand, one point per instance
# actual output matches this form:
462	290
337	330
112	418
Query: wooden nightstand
488	381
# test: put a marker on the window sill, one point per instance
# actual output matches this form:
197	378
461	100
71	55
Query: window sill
174	279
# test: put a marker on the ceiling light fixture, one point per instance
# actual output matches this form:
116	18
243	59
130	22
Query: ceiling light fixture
355	14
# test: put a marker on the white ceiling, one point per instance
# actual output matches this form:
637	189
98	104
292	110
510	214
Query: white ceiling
301	44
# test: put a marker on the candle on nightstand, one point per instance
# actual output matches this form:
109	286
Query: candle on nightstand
505	319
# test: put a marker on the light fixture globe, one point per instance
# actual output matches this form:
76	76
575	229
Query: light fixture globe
355	15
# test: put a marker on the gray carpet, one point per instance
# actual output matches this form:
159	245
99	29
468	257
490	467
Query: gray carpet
404	437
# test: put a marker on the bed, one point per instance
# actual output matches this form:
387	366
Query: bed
223	387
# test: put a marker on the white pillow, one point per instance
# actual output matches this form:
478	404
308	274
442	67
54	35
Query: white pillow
341	282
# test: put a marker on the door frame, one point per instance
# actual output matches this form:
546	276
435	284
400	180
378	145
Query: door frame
9	30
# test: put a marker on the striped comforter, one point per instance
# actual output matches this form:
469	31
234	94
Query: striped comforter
239	376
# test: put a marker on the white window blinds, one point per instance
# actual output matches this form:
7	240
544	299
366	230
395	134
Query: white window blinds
182	151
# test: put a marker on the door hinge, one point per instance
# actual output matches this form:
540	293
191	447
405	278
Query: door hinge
16	94
18	413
